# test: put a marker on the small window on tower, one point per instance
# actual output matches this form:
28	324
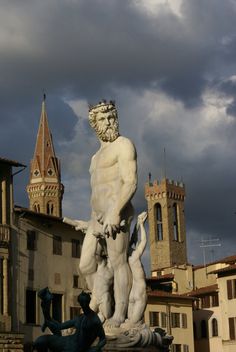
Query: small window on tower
175	222
37	207
50	208
159	231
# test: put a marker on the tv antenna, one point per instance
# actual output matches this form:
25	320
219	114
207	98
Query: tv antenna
209	243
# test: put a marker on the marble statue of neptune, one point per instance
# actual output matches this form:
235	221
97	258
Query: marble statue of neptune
113	173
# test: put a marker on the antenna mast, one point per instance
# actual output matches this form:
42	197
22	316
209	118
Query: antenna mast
213	242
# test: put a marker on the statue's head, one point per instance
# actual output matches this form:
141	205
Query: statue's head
84	300
104	119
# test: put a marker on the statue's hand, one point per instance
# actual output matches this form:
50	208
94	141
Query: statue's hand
142	218
81	225
111	224
53	325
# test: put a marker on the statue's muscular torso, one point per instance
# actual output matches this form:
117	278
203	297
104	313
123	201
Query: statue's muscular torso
106	174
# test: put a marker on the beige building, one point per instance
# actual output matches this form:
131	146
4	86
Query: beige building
8	335
173	313
215	311
212	287
46	252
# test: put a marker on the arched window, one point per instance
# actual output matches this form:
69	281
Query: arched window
203	329
158	215
175	222
50	208
36	207
214	326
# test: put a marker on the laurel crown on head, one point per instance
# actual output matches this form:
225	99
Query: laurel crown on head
103	105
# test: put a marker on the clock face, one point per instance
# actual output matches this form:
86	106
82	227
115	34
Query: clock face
36	173
50	172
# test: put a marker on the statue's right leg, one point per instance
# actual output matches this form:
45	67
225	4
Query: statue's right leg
88	263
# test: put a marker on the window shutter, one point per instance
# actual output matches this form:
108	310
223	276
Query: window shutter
231	329
229	289
184	321
234	288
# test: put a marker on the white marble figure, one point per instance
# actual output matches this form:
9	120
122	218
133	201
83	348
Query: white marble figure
101	301
113	182
138	295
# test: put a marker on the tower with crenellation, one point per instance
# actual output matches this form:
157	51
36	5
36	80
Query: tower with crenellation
45	189
165	201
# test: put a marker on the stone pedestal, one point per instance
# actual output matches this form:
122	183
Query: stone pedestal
11	342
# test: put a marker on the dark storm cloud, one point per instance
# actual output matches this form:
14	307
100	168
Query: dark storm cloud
82	47
87	50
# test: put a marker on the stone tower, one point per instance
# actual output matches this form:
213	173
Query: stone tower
166	223
45	189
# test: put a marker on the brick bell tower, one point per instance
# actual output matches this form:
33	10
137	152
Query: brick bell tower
45	189
166	223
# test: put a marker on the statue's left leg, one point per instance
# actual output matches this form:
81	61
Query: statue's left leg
117	253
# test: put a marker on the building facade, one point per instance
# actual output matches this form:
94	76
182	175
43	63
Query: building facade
173	313
8	335
46	253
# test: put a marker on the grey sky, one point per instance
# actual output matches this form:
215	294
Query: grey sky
170	66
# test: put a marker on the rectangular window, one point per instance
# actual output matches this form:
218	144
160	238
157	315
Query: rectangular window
215	299
74	312
176	348
31	240
205	301
57	245
30	307
76	281
154	318
231	289
185	348
57	307
184	321
175	320
163	319
232	328
75	248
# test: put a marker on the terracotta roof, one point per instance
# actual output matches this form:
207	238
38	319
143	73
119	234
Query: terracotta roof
161	277
19	209
227	260
226	269
11	162
203	290
158	293
230	259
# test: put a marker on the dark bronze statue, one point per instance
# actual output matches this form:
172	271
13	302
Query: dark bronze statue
87	328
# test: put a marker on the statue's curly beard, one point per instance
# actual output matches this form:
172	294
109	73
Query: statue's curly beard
108	134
